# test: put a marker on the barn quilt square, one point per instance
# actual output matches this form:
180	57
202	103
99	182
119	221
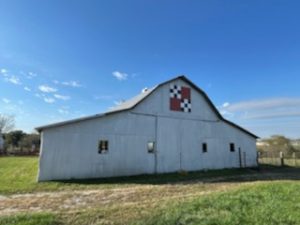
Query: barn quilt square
180	98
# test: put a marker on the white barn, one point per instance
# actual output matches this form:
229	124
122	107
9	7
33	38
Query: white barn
172	127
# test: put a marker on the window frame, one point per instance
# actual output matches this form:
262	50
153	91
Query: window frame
103	146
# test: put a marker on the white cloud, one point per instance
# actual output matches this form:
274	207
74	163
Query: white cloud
47	89
72	83
27	88
226	113
117	103
226	104
30	75
63	111
62	97
49	100
13	80
264	104
120	76
270	115
262	109
3	71
5	100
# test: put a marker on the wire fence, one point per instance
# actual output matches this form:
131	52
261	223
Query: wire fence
279	158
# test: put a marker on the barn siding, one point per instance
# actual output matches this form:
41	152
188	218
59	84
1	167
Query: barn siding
71	151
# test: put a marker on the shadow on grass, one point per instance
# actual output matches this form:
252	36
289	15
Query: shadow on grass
262	173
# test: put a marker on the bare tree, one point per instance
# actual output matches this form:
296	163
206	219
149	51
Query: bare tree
278	143
7	123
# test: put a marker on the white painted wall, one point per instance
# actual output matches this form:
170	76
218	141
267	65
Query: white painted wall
71	151
182	149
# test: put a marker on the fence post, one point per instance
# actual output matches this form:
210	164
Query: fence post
295	161
281	159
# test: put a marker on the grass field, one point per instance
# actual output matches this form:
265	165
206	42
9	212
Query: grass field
18	175
277	203
267	196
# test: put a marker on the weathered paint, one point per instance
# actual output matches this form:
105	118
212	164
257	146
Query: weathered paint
71	151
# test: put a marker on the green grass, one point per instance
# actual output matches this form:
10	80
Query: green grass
167	202
34	219
18	175
273	204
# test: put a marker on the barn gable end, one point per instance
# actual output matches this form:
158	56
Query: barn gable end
159	102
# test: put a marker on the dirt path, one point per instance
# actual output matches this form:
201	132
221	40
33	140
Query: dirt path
72	200
138	194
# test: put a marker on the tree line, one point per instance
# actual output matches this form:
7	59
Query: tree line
16	141
278	143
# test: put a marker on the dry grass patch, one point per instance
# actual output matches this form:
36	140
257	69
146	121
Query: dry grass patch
64	201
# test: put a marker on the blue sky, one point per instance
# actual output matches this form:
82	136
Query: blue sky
66	59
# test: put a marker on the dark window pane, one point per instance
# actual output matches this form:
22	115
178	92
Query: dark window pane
232	147
204	147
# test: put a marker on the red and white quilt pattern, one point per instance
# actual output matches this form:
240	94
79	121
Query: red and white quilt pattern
180	98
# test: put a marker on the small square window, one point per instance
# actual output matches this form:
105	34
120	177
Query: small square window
232	147
204	147
103	147
151	146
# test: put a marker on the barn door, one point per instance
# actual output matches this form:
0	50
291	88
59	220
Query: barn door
168	145
242	158
191	145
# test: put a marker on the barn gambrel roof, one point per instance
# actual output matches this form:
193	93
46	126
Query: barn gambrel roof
132	103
